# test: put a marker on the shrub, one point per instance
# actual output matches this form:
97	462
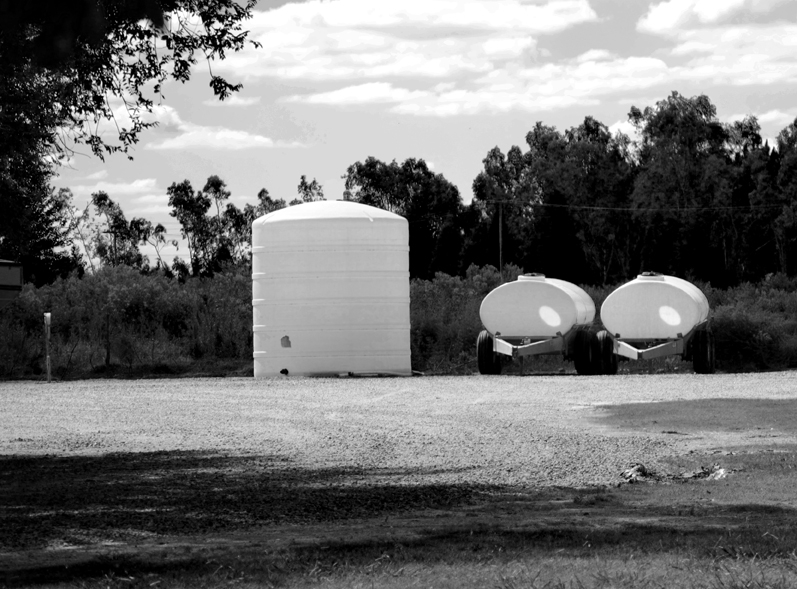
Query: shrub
154	324
118	315
444	315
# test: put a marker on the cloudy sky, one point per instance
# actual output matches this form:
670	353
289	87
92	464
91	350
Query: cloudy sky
337	81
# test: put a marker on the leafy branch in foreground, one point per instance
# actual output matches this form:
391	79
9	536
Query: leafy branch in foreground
105	62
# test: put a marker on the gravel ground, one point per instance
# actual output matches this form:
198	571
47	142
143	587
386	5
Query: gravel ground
479	430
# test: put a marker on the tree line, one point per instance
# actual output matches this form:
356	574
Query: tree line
688	196
217	233
88	74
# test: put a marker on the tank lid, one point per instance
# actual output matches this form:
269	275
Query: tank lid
532	276
328	209
658	276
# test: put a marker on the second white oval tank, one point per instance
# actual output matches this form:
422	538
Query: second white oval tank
535	306
654	306
330	290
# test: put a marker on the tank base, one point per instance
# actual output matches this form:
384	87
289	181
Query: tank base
333	366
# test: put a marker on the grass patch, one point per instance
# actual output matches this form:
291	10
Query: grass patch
736	532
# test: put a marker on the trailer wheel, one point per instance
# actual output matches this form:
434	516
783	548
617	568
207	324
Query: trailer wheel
606	358
489	362
584	352
703	352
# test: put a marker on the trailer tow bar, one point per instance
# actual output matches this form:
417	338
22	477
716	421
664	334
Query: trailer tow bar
669	348
546	346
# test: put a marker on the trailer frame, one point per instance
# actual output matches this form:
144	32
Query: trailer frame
588	345
700	336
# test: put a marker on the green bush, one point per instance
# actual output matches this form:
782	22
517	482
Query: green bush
444	315
119	317
120	322
755	326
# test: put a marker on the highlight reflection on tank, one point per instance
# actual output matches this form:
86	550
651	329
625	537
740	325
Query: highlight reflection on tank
656	315
649	317
536	315
330	291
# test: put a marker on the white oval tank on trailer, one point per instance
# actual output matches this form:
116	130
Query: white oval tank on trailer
654	306
330	290
535	306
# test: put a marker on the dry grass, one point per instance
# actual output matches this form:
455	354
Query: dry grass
205	518
729	533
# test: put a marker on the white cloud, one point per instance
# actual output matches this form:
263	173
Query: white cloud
507	48
234	100
149	205
98	175
191	135
117	188
553	15
759	55
372	92
446	57
777	117
740	55
673	15
623	127
594	55
693	47
771	119
319	40
152	198
165	116
580	81
474	102
735	117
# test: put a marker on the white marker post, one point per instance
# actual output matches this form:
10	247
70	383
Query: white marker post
47	342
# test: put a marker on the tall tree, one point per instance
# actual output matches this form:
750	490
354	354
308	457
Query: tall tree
600	193
504	193
68	65
190	209
115	242
153	235
429	202
78	58
215	190
310	191
35	230
785	224
265	205
682	186
35	219
755	200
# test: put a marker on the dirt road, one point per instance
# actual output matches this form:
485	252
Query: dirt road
528	431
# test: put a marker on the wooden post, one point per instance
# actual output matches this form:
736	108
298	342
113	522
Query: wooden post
501	239
47	343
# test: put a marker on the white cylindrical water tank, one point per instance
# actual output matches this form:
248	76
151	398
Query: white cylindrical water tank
535	306
330	290
654	306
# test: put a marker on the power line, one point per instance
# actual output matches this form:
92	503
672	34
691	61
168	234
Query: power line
642	209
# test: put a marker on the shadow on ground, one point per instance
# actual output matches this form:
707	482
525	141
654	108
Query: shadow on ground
142	517
716	415
495	528
48	501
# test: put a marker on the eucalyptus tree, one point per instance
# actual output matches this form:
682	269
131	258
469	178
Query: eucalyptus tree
683	189
429	202
73	68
